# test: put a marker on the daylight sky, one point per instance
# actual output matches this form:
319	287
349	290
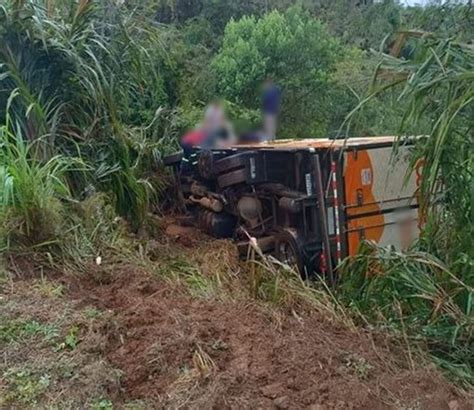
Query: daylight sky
413	2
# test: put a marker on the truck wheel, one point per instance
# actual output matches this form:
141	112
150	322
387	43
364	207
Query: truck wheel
232	162
206	164
173	159
289	251
232	178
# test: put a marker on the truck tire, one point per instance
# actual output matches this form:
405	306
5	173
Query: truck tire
173	159
232	178
206	164
289	251
232	162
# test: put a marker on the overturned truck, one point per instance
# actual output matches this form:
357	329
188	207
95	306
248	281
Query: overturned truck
308	202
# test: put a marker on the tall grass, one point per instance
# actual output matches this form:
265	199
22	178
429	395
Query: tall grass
38	211
87	78
31	192
427	293
416	295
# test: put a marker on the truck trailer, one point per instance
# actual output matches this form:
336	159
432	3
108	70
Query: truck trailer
308	202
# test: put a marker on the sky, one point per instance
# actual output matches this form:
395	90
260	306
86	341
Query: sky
413	2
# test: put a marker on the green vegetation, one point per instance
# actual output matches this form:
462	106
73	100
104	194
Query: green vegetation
83	79
31	192
428	293
253	50
94	93
20	330
418	297
25	388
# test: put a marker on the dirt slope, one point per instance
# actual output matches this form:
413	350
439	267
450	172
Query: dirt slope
130	333
176	350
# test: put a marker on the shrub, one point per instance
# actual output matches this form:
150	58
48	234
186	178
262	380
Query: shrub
87	79
31	192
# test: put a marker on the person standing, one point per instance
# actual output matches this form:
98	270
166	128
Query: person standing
220	133
270	108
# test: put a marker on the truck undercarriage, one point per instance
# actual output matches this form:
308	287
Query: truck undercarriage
308	202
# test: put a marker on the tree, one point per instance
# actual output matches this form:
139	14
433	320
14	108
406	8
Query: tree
292	48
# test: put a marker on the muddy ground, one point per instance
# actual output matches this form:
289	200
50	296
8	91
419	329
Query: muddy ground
126	336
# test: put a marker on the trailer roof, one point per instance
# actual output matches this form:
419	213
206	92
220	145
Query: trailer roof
320	143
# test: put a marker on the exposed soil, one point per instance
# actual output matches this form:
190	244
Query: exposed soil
156	344
179	351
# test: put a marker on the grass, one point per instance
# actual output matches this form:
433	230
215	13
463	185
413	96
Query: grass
102	404
25	387
203	363
20	330
415	295
70	341
49	289
48	350
105	107
31	208
278	284
39	214
92	230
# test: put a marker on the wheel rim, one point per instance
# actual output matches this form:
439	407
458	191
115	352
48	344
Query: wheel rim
288	255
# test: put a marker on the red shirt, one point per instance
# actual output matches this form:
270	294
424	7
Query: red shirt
194	137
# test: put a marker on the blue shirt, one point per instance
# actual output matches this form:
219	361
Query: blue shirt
271	100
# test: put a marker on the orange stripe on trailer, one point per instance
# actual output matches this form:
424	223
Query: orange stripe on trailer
358	177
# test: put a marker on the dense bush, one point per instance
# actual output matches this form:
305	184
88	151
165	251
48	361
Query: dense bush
88	79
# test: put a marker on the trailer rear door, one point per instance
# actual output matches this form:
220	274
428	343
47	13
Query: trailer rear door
380	204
